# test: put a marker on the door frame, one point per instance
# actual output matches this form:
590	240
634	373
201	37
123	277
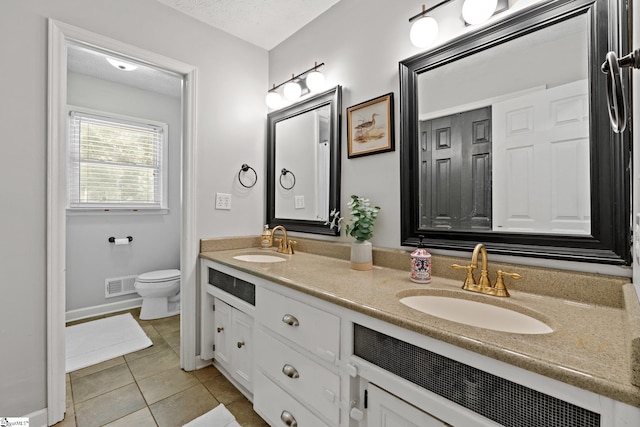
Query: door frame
59	34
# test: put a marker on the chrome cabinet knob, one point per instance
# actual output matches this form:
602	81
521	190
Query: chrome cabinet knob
290	320
288	419
290	371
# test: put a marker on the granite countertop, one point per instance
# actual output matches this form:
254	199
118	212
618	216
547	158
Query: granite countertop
590	346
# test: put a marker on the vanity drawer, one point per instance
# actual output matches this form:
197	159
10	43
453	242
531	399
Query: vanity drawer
299	375
307	326
279	408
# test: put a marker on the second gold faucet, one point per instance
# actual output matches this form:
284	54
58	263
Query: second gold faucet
484	286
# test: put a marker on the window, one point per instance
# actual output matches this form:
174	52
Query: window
116	162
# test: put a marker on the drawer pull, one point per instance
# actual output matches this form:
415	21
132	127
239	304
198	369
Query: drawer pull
288	419
290	320
240	344
220	329
290	371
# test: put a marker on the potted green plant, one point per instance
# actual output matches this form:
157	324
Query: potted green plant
363	215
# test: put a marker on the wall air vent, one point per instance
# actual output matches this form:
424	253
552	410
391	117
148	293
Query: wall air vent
117	286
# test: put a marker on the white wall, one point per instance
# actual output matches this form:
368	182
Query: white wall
232	77
156	246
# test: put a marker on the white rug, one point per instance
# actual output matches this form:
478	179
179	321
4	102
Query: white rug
217	417
103	339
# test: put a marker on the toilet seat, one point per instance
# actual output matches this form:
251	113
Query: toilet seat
159	276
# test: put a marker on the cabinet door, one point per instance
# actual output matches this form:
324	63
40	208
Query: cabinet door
222	320
386	410
242	348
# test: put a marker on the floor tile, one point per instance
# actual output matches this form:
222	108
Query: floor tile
245	415
159	345
223	390
173	339
109	407
101	382
141	418
96	368
69	407
183	407
154	364
207	374
167	325
165	384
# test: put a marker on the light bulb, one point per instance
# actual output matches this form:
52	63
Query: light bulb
424	31
292	91
274	100
478	11
315	81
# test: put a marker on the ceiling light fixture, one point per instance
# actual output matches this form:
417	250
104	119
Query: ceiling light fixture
121	65
424	30
293	88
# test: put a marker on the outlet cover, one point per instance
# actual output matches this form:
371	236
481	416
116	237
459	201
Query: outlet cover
223	201
299	201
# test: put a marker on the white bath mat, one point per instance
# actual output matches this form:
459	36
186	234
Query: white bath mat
217	417
103	339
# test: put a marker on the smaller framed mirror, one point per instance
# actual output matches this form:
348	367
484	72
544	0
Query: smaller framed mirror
303	163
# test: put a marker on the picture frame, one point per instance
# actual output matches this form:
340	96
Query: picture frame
370	127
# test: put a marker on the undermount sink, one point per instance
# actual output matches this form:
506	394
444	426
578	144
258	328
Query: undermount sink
476	314
259	258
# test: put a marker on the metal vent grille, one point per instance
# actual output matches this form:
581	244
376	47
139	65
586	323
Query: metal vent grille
117	286
500	400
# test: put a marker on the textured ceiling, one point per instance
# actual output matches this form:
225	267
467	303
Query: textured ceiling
265	23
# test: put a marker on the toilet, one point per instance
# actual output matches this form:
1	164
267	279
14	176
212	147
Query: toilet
160	292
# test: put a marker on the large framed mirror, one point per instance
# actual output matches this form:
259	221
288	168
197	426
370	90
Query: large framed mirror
303	163
506	141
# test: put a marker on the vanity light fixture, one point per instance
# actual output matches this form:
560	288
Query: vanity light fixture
478	11
121	65
424	30
312	79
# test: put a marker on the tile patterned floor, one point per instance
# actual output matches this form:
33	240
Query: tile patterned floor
148	388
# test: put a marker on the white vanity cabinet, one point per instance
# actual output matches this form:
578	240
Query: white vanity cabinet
305	361
297	378
234	342
387	410
227	324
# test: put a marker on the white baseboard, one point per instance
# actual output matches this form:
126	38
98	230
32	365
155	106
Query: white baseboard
38	418
99	310
199	364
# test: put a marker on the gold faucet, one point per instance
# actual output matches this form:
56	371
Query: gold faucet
484	286
285	246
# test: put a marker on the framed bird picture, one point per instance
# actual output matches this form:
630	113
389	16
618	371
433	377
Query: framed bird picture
370	127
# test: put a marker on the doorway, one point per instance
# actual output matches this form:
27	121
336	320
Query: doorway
60	37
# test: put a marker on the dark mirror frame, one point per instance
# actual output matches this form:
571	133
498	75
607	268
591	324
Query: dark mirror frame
333	98
610	154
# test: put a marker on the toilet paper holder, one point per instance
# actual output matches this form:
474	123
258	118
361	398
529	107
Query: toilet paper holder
113	239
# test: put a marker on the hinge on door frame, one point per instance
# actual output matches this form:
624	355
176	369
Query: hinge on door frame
366	398
213	307
213	347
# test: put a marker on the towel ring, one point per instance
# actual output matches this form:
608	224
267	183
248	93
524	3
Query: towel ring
615	91
245	168
284	172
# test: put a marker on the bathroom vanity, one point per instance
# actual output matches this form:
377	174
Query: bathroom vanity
315	343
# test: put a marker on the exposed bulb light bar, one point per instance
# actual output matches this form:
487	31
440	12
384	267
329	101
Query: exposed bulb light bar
292	88
424	30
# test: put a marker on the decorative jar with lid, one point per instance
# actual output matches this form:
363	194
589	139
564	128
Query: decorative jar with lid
420	264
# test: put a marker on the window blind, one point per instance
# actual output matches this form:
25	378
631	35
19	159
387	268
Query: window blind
115	163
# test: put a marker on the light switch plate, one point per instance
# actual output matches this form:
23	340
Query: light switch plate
223	201
299	201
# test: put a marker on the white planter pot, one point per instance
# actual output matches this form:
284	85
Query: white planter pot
361	256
